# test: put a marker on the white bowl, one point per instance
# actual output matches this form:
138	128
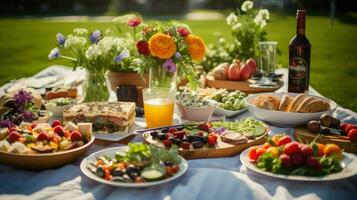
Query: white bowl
228	113
198	114
285	119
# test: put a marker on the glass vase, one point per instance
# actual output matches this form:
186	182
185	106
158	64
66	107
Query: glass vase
95	87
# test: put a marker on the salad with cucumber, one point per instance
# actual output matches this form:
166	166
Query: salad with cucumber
141	163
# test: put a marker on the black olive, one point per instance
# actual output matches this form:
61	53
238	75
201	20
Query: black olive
132	171
154	134
117	172
197	144
100	171
313	126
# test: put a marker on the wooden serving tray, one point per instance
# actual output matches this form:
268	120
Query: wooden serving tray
222	149
341	141
243	86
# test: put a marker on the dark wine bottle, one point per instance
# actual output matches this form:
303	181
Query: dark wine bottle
299	57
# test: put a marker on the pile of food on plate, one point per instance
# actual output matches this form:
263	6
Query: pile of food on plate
30	138
236	71
301	103
329	125
106	117
233	101
141	163
206	135
21	106
281	155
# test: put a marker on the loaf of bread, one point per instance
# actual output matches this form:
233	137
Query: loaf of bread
267	102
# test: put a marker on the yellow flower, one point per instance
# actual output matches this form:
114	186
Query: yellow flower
162	46
196	47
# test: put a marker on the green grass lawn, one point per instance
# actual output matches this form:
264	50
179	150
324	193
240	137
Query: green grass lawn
25	44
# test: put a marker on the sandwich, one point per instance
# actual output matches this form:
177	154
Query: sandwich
234	137
106	117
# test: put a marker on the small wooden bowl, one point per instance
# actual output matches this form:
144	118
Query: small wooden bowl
44	161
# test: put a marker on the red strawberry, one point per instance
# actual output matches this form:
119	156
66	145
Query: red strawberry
297	159
286	161
284	140
43	136
343	126
185	145
291	148
56	123
75	136
12	129
306	150
352	135
204	127
167	143
13	136
179	134
212	139
172	129
313	163
59	130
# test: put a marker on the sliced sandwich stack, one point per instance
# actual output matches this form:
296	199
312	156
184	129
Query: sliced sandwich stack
106	117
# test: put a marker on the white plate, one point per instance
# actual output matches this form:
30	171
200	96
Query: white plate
228	113
111	152
349	164
285	119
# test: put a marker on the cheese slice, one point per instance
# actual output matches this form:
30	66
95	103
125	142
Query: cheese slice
71	127
85	129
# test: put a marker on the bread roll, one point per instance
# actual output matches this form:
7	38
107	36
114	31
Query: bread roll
284	103
267	102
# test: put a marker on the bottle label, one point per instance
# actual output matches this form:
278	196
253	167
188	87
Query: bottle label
297	68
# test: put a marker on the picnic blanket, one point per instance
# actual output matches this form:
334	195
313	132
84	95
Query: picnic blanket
216	178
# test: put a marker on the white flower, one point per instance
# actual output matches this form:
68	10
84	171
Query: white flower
237	26
221	40
258	19
75	42
93	52
231	19
263	24
80	31
247	5
264	13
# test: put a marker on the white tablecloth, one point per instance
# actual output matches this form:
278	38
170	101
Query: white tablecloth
216	179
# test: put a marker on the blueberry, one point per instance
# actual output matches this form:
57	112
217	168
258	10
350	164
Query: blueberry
165	130
179	128
190	138
204	139
197	144
154	134
178	142
161	136
197	138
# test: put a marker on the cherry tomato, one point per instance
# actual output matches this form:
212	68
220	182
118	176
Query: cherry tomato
284	140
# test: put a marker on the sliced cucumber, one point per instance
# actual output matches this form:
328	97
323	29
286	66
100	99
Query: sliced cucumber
151	174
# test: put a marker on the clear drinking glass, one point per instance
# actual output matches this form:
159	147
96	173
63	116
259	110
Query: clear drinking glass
159	106
267	59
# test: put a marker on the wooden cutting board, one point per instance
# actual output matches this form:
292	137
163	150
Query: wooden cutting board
243	86
341	141
222	149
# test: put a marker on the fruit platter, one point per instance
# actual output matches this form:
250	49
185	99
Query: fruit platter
44	146
136	165
280	157
208	140
237	76
328	129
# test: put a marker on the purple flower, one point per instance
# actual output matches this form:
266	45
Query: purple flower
60	39
178	56
95	36
55	53
6	123
27	116
169	65
22	98
121	56
219	130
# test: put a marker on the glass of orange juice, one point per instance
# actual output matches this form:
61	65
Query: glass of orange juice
158	106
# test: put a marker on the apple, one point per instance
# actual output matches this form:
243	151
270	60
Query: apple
234	71
245	72
252	64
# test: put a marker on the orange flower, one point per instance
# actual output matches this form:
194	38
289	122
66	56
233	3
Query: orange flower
196	47
162	46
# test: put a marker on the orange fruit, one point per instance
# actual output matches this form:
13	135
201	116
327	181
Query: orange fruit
331	149
321	149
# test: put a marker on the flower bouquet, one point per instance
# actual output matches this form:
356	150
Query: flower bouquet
167	50
96	52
